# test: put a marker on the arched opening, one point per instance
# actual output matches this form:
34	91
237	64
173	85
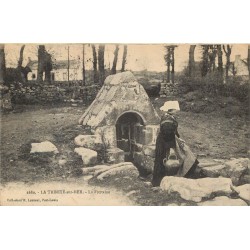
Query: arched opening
129	133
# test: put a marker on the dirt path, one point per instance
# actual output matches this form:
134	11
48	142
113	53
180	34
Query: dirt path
75	192
33	124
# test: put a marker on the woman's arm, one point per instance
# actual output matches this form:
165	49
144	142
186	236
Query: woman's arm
177	133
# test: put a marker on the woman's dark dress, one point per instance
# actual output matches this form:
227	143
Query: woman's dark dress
165	140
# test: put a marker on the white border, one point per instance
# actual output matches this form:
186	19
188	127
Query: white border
124	22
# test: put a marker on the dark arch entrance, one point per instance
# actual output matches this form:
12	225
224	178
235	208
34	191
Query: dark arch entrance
129	133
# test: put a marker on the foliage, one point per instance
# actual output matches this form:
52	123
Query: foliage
213	84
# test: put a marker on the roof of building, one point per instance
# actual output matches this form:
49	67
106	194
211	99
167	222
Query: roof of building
120	93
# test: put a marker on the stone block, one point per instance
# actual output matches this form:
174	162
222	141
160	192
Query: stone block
88	141
138	147
147	137
144	163
109	136
197	189
43	147
89	157
114	155
223	201
234	169
149	150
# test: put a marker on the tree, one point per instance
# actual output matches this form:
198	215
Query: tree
220	62
96	78
248	61
113	70
212	53
124	57
204	66
20	61
101	65
4	90
167	58
227	50
83	65
41	62
170	61
191	62
2	65
44	64
47	66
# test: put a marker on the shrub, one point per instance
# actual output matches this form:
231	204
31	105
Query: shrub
213	84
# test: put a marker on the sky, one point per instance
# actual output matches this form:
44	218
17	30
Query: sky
140	56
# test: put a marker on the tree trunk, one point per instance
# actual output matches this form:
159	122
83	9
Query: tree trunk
83	65
172	64
2	64
20	61
68	64
168	64
41	62
21	77
212	52
5	100
96	78
220	62
48	67
228	54
248	61
101	65
191	64
113	70
124	58
204	68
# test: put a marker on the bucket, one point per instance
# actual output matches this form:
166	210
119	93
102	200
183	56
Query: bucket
171	166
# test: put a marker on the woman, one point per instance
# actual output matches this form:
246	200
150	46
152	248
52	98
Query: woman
165	140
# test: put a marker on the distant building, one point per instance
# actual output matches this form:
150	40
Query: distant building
60	70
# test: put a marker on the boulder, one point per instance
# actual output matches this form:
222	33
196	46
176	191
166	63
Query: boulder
89	157
144	163
43	147
98	169
234	169
213	170
196	189
88	141
126	169
223	201
149	150
245	179
243	192
114	155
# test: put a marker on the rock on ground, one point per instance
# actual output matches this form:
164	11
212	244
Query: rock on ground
124	169
223	201
101	172
98	169
88	141
89	157
245	179
196	189
243	192
234	169
43	147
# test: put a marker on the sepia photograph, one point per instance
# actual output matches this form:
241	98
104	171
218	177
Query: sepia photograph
124	124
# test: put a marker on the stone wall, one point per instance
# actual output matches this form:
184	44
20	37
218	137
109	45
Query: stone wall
32	93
